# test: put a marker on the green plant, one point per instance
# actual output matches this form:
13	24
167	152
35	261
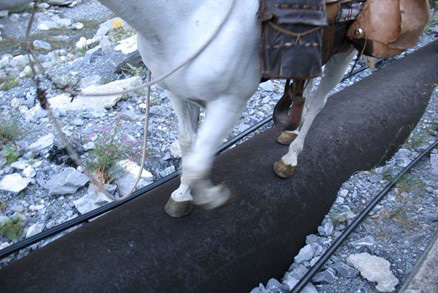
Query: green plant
107	153
12	229
3	205
416	140
410	183
135	71
8	84
10	153
433	130
9	129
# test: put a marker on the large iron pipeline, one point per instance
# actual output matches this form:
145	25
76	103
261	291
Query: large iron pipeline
138	248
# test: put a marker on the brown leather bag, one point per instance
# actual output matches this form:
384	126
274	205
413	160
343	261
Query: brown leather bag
385	28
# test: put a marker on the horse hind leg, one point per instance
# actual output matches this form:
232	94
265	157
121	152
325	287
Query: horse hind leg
333	73
180	202
297	93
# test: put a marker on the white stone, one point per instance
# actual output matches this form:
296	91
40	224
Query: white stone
78	26
175	149
83	43
125	174
43	27
5	244
34	229
4	13
64	22
90	201
59	2
267	86
42	143
3	220
89	146
127	46
306	253
14	183
29	172
374	269
35	113
91	103
291	282
19	61
20	165
41	45
66	182
34	208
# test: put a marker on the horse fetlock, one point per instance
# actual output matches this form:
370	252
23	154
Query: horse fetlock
286	137
208	196
283	170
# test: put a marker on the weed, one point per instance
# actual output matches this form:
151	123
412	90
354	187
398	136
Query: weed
120	33
409	183
433	130
416	140
8	84
10	153
9	130
3	205
135	71
12	229
106	154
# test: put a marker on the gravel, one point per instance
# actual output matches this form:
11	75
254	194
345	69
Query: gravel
398	230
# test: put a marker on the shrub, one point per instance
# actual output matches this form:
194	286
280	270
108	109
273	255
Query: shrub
12	229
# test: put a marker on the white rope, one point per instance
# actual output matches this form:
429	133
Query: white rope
147	85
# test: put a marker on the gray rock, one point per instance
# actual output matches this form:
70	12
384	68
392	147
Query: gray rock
267	86
434	163
20	165
66	182
345	270
367	241
42	143
274	286
59	2
34	229
14	5
169	170
327	229
29	172
376	179
14	183
4	13
325	277
3	220
374	269
306	253
91	201
41	45
133	59
290	282
125	174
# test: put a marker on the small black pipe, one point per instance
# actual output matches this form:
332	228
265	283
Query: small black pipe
331	250
110	206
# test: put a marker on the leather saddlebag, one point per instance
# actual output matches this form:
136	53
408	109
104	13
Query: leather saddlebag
385	28
291	38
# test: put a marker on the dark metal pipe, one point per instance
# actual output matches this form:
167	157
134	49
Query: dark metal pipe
137	247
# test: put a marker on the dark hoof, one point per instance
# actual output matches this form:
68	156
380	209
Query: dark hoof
282	170
212	197
286	138
177	209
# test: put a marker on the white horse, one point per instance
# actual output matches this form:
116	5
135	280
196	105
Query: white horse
221	79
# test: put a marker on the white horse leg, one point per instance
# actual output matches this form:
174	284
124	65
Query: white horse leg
179	204
333	73
221	115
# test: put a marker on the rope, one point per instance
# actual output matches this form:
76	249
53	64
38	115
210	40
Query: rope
41	95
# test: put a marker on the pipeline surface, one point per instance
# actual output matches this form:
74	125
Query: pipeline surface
138	248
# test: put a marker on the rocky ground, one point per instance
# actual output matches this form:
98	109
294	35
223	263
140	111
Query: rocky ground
79	42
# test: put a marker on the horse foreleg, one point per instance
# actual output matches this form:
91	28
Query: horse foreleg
221	115
180	202
333	73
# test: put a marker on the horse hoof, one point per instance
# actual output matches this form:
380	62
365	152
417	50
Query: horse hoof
212	197
286	138
282	170
178	209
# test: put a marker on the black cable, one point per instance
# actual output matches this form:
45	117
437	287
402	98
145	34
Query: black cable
331	250
110	206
